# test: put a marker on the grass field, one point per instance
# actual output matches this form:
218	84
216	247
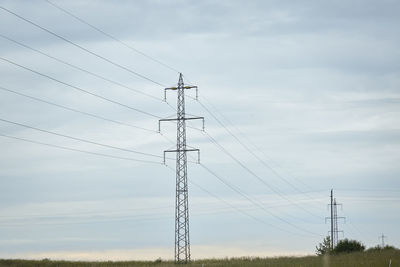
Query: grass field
372	258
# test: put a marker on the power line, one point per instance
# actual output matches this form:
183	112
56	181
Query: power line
232	206
258	158
79	68
111	36
80	139
81	47
72	43
78	150
79	89
15	221
233	188
123	158
361	232
95	153
248	149
253	201
75	110
144	161
257	176
104	59
247	169
83	213
141	218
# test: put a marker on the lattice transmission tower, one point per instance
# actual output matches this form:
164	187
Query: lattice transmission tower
334	232
382	237
182	241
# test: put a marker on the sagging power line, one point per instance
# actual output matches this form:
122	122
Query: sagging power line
259	204
178	109
112	37
77	150
80	139
229	204
82	48
75	110
79	88
79	68
259	178
63	38
246	146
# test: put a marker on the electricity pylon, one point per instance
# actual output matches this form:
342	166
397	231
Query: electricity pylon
182	241
383	240
334	221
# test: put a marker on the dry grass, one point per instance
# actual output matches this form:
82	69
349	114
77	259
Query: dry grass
371	258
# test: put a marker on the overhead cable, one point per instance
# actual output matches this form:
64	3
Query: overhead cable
75	110
78	88
82	48
248	149
257	176
111	36
253	201
80	139
232	206
79	68
247	168
78	150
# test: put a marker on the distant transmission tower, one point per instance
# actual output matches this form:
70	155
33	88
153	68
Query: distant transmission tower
334	221
182	241
383	240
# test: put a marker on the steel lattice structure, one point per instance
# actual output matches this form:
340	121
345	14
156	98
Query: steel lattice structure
182	241
334	221
335	224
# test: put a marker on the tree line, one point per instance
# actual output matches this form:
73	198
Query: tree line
345	246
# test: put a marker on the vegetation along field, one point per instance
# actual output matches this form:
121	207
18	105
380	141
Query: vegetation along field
368	258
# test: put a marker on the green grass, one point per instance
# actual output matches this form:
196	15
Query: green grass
370	258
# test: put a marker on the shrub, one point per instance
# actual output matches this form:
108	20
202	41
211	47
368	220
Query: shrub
379	248
324	247
347	246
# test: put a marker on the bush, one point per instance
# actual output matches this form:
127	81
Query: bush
324	247
347	246
389	247
379	248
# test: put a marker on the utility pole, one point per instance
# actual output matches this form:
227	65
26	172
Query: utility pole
383	240
334	221
182	241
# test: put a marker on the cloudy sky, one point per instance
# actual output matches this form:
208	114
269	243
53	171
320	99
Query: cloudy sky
299	97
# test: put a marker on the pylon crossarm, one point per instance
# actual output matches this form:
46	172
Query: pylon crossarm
175	119
165	92
184	87
184	150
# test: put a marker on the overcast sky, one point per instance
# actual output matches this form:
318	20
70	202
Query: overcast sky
310	87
